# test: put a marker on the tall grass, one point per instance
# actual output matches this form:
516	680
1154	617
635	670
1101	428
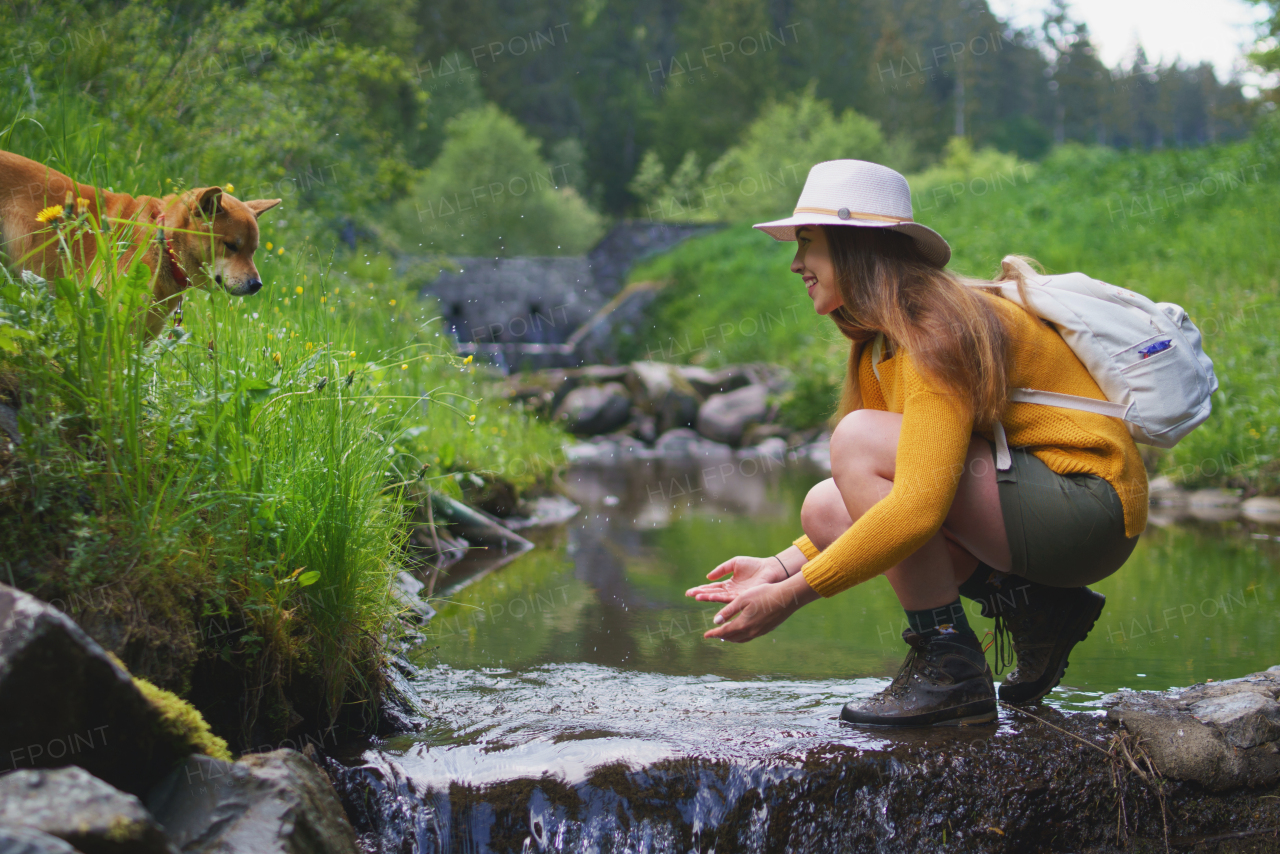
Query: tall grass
246	467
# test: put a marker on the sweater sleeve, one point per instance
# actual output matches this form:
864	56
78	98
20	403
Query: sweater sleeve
933	443
806	545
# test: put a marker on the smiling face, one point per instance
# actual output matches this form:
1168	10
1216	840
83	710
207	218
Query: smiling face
813	263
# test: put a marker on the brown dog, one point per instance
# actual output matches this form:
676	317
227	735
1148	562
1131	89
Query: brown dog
220	251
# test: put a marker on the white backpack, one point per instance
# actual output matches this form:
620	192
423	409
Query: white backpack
1146	357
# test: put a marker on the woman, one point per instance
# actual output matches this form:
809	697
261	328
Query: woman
914	491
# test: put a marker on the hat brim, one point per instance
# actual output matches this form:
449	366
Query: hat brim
935	250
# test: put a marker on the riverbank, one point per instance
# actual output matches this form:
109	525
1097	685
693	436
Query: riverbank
759	778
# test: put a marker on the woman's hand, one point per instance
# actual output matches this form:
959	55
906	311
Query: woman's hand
746	572
761	609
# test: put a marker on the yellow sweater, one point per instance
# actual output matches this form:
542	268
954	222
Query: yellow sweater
935	438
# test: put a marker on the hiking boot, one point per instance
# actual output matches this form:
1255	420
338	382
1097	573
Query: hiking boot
945	681
1043	631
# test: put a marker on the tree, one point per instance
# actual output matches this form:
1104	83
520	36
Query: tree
490	192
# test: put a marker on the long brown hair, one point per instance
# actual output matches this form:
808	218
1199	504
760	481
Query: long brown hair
955	336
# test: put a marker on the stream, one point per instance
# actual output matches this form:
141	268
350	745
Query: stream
571	703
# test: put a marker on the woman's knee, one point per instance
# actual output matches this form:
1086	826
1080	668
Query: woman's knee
865	442
823	516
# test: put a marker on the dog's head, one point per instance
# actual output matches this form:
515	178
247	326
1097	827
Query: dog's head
217	241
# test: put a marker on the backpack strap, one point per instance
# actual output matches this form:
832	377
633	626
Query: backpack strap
1070	401
1004	460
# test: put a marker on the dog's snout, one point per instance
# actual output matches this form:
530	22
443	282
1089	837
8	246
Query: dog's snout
254	285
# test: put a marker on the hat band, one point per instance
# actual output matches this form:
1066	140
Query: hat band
845	213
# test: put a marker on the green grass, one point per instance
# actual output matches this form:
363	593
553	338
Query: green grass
246	471
1193	226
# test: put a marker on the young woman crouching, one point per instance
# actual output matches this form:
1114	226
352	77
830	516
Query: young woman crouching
914	491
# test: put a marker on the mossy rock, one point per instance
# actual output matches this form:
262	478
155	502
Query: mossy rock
180	720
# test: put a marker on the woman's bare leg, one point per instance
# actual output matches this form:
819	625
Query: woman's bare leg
864	448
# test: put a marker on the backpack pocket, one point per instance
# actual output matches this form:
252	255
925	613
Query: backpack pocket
1144	351
1165	388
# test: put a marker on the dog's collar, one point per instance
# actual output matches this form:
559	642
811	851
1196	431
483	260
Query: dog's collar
179	275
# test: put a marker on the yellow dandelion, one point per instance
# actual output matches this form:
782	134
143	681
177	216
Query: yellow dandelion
332	309
298	290
308	345
472	419
49	214
268	245
468	360
335	291
324	299
270	337
275	357
82	203
404	367
393	302
280	251
230	188
352	354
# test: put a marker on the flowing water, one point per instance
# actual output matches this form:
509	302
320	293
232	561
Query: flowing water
584	654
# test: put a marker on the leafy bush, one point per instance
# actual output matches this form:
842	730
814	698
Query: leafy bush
491	192
761	176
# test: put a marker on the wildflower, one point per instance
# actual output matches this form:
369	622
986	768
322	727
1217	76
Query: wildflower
468	360
308	345
275	357
82	203
332	310
49	214
351	375
280	251
229	187
270	336
404	367
335	291
393	302
472	419
298	290
268	245
352	354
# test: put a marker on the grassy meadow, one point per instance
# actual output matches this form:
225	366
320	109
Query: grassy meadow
1192	226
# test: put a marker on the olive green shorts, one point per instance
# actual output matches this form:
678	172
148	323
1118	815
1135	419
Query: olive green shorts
1064	530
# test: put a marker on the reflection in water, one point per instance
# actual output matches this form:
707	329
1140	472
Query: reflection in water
1192	603
584	654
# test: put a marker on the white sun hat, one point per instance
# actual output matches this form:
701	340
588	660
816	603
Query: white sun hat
855	192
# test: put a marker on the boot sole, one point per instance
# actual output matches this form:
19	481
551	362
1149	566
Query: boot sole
1031	692
975	712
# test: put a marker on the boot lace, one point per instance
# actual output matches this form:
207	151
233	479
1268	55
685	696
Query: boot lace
1002	640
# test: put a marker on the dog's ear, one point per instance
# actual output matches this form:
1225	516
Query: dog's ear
208	202
261	206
